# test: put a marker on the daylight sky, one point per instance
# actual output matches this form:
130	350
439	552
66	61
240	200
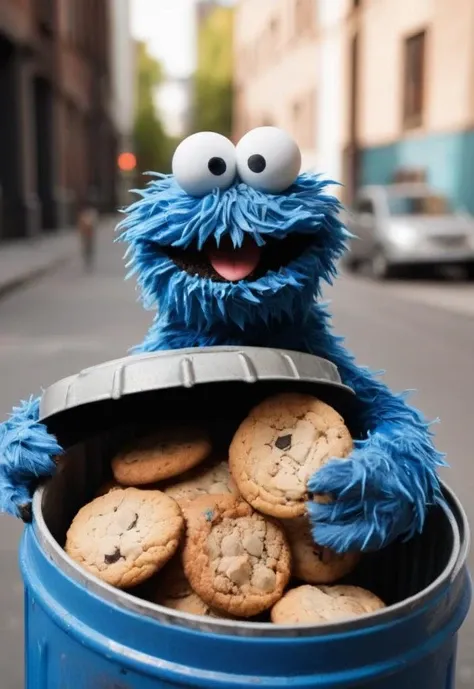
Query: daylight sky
168	28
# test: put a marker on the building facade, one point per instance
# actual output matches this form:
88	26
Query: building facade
276	71
123	101
394	83
57	140
416	101
213	79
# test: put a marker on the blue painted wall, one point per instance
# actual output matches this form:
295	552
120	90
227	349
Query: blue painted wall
447	158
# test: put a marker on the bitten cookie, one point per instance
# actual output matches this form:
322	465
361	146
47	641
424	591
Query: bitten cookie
323	604
125	536
279	446
171	589
234	558
160	456
311	562
211	479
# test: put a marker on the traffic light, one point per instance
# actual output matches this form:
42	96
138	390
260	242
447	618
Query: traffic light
127	161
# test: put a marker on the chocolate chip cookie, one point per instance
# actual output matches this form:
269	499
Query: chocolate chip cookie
125	536
311	562
279	446
235	559
366	599
171	589
324	604
211	478
157	457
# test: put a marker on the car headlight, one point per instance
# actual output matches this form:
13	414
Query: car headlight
403	236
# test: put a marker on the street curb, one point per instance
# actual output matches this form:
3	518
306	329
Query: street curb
26	278
23	279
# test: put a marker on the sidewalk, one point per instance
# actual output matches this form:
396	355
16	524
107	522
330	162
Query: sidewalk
27	259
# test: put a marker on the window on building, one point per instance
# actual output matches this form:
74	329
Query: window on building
296	117
304	120
414	80
364	206
45	14
273	37
71	20
304	20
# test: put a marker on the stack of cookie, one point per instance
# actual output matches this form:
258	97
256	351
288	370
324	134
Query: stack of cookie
225	537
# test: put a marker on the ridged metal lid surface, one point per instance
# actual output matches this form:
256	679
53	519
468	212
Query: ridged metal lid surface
185	368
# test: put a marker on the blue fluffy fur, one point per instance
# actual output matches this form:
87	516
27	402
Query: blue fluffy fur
166	216
383	490
27	454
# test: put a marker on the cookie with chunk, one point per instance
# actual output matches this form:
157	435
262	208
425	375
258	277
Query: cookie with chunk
170	589
313	563
280	445
235	559
210	478
161	455
324	604
126	536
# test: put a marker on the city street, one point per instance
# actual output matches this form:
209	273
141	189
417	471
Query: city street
421	333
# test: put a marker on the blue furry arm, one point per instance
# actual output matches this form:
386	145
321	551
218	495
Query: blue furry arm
27	454
383	490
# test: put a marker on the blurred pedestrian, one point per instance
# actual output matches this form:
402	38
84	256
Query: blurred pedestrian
87	222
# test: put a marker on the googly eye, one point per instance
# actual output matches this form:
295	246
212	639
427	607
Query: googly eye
268	159
203	162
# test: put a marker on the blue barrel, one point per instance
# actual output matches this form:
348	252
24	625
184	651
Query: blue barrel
83	634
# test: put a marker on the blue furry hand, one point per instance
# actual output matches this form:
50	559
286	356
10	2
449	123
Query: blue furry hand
380	493
27	453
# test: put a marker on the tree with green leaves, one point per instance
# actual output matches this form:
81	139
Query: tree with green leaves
213	89
152	145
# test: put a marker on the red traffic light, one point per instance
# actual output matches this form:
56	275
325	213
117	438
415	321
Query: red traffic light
127	161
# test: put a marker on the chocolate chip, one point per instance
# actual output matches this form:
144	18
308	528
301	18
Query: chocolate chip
25	512
283	442
319	554
115	557
133	523
323	555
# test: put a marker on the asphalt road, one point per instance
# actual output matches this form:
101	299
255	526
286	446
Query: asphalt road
422	334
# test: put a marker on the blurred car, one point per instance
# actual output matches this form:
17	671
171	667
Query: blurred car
407	226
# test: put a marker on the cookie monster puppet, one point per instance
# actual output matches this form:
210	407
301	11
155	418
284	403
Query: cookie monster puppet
234	248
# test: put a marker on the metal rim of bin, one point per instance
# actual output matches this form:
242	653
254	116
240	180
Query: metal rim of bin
452	570
186	368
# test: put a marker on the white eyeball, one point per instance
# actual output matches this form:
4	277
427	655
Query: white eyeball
203	162
268	159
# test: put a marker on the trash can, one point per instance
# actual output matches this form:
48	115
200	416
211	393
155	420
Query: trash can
81	633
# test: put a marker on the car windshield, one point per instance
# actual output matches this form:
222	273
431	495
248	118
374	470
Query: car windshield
418	204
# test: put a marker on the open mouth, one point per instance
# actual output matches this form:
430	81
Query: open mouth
248	262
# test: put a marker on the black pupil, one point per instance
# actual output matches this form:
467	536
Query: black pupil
217	166
257	163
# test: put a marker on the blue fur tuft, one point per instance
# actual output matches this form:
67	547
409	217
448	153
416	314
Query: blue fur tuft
382	491
26	455
166	216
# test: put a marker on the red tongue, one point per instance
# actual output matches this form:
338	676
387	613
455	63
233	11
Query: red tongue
235	264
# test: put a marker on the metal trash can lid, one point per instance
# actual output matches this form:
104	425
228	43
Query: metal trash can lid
111	382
